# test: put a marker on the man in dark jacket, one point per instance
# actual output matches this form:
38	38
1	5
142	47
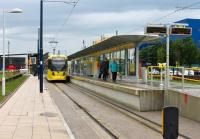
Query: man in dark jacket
105	67
100	70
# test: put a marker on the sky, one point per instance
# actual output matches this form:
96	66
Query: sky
88	21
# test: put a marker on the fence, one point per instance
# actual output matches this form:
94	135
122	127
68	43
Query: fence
179	76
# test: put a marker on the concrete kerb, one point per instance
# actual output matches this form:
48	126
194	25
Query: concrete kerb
110	85
12	93
137	98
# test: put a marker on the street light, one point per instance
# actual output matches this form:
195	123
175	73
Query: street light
16	10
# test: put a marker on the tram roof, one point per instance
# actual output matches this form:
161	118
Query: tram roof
113	42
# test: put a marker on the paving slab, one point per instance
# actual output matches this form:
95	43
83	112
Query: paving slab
29	114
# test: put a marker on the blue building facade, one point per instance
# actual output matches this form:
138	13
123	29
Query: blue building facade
195	25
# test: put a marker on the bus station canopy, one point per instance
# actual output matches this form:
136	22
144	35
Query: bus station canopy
114	43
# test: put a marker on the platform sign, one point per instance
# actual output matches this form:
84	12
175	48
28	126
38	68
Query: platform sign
170	122
156	30
162	65
181	31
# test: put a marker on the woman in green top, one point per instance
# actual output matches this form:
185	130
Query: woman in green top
114	69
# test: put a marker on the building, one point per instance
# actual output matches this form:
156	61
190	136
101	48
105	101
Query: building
195	25
18	62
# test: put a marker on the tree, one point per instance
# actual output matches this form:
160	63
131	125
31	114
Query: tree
161	54
175	52
182	52
149	55
189	52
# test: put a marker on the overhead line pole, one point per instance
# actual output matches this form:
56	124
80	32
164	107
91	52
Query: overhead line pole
38	57
41	46
41	38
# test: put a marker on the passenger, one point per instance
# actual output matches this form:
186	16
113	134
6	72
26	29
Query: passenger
105	68
100	70
114	70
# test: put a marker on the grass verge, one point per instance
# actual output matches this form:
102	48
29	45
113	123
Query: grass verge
11	86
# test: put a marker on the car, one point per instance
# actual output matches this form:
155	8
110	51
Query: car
154	71
189	72
23	71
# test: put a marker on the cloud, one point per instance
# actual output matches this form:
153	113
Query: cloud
89	21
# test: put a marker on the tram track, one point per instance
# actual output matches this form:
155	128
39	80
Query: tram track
86	111
144	121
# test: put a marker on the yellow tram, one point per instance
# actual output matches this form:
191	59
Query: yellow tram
57	68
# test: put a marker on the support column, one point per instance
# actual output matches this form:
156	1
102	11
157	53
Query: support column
137	62
126	62
79	63
167	58
75	67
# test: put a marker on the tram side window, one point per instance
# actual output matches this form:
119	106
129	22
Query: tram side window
49	64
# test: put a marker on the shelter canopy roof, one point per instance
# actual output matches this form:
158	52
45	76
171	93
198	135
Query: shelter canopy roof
113	42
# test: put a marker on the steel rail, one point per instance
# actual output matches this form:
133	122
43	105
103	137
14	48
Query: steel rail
145	121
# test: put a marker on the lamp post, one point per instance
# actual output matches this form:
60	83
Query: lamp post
9	53
16	10
41	36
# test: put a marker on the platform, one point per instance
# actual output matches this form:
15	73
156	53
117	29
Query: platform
188	126
29	114
143	97
133	97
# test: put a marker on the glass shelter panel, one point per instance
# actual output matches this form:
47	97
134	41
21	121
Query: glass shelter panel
131	61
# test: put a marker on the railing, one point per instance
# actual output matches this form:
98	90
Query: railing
178	76
13	77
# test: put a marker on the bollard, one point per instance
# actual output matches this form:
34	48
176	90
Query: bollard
170	122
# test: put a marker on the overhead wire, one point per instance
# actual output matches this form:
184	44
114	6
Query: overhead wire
136	28
167	15
66	19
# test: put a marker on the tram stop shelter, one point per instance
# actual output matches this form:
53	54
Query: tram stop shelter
123	48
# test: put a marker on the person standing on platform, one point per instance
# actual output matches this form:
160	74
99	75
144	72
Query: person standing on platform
114	69
105	68
100	69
